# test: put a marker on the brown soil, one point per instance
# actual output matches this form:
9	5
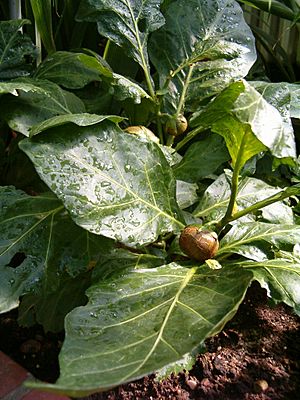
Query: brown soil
255	357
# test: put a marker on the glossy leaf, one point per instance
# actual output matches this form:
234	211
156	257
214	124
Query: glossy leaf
281	277
142	320
16	50
241	235
126	23
75	70
108	187
82	119
285	98
39	246
202	159
213	204
186	193
202	47
35	101
248	123
72	70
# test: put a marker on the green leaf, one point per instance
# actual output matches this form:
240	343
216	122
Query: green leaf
82	119
241	235
142	320
202	47
15	50
35	101
75	70
108	186
281	277
42	11
186	193
273	7
213	204
50	308
202	159
72	70
285	98
37	231
126	23
248	123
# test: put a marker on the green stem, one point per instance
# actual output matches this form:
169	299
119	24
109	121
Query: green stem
184	90
234	187
261	204
107	45
160	129
190	136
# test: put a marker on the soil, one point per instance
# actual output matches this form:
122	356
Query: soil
255	357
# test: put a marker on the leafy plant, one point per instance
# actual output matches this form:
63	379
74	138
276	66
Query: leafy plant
101	214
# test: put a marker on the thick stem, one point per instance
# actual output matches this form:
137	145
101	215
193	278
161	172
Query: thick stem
234	187
260	204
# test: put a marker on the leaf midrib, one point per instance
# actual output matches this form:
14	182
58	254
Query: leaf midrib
126	188
185	282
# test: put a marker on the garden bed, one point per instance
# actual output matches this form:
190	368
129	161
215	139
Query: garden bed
256	356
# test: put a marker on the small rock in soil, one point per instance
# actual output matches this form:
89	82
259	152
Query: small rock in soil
260	386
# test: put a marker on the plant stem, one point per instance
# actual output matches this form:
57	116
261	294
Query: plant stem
190	136
38	43
184	90
106	49
260	204
234	187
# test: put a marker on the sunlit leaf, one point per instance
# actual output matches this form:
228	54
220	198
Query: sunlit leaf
82	119
202	47
186	193
281	277
248	123
142	320
75	70
126	23
213	204
242	235
108	187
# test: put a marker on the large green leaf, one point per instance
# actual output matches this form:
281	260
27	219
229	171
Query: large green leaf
202	47
285	97
281	277
125	22
40	246
75	70
82	119
16	50
202	159
112	183
35	101
72	70
213	204
248	123
140	321
242	237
